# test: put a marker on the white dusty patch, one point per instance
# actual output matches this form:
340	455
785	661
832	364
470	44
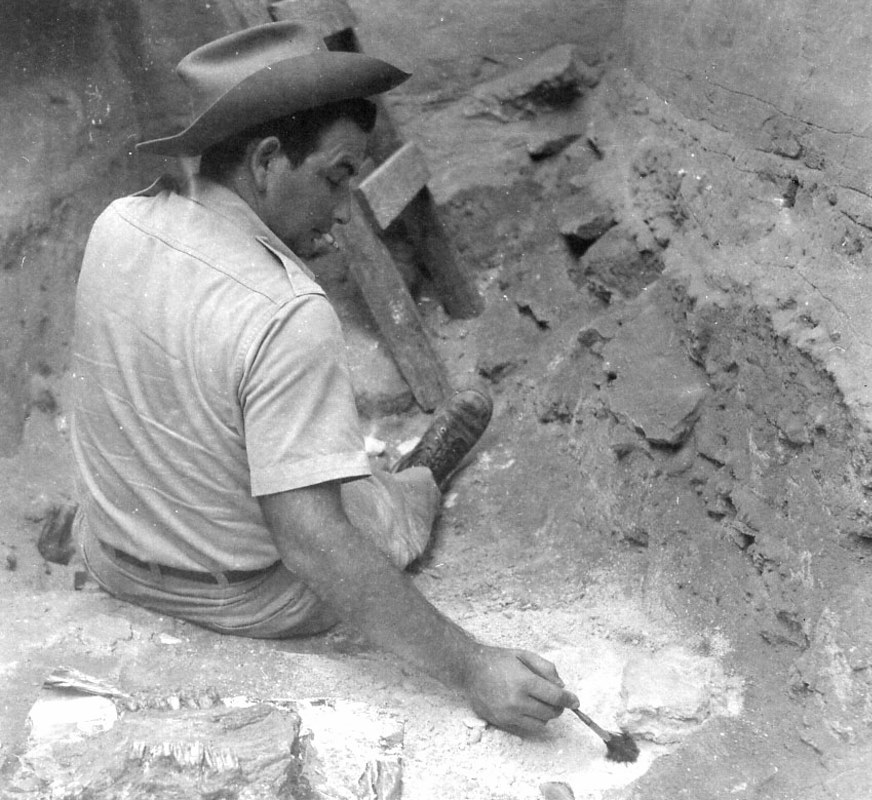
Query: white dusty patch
626	669
55	716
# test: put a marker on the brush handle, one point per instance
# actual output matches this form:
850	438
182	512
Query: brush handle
603	734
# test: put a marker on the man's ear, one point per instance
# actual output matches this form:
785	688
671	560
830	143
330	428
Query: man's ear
260	159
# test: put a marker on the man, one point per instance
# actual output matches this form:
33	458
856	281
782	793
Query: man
222	474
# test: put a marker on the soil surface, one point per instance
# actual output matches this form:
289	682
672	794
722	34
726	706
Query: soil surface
670	503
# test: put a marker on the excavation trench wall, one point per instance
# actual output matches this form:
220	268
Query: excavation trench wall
81	82
710	422
794	77
788	83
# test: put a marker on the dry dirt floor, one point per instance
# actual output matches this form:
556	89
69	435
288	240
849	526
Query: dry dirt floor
665	505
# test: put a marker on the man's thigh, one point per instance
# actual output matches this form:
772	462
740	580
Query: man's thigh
276	604
396	511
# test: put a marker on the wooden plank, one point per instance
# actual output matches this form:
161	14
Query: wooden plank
454	283
389	188
395	313
329	16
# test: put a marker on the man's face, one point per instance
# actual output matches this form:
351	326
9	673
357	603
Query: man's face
301	204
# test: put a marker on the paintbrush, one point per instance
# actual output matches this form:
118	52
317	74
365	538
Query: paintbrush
620	747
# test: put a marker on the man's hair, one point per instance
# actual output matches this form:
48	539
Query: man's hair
299	134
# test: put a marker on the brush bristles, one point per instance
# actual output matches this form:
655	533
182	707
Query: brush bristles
621	747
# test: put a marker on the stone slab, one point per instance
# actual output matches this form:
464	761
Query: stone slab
550	80
666	694
653	385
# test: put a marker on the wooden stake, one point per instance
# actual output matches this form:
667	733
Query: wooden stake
388	298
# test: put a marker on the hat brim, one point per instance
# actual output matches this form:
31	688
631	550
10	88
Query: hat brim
295	84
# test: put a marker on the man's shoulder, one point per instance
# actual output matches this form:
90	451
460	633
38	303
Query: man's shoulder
193	230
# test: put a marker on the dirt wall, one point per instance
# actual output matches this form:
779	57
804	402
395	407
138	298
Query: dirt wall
793	76
80	83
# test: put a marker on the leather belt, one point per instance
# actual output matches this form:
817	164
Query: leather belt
230	575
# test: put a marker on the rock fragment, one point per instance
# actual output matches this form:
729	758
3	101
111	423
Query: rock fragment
553	80
652	384
656	185
382	779
584	217
666	694
556	790
57	716
246	752
615	264
545	144
540	286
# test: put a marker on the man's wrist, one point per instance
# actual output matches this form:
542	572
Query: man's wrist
470	663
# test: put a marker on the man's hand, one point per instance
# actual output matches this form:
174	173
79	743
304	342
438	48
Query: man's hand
516	690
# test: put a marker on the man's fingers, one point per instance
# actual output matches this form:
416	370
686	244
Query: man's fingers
542	712
541	666
551	695
550	690
519	691
548	706
525	726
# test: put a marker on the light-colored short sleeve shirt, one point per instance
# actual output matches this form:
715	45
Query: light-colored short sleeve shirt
209	368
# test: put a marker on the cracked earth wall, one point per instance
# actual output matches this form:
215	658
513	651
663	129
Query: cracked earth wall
79	83
792	80
793	76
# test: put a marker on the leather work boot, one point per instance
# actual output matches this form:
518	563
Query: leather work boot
455	429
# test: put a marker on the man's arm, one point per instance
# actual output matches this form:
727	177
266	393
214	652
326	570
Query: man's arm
514	689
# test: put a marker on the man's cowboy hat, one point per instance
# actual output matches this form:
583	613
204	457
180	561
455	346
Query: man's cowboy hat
263	73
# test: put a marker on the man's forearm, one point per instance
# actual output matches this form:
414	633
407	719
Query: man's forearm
345	569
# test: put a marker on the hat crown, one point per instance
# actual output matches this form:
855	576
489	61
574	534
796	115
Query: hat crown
213	69
262	73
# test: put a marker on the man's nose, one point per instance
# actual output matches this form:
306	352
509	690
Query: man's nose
342	212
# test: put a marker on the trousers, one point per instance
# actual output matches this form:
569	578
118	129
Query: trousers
397	511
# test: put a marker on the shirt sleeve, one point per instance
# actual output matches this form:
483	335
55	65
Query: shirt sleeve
300	419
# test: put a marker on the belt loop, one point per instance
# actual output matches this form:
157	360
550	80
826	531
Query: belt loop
221	579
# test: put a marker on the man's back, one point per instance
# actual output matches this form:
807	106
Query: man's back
192	328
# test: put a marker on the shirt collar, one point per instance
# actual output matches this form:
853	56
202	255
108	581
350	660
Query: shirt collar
226	203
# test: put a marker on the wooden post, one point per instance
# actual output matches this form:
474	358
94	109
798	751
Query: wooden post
330	16
387	190
454	284
395	313
397	188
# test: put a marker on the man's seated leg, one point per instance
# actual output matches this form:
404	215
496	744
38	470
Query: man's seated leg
397	509
275	604
397	512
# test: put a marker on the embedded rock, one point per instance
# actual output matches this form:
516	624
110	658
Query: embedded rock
544	144
556	790
665	694
653	386
232	753
541	286
553	80
584	217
